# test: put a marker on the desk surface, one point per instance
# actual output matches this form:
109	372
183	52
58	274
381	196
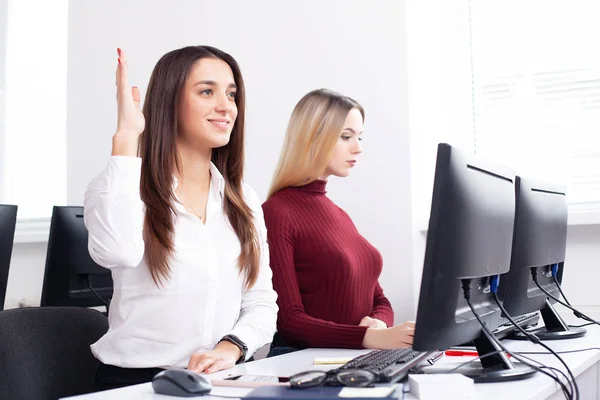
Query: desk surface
538	387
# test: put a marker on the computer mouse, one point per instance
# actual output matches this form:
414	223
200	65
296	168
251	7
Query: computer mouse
180	383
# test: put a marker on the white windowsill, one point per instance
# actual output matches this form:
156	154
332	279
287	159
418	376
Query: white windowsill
32	231
584	217
576	217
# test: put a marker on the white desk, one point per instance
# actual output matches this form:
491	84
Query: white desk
584	365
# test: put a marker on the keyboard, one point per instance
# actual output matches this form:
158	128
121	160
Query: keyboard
505	327
389	366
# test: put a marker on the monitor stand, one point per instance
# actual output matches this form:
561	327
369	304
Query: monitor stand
496	368
555	328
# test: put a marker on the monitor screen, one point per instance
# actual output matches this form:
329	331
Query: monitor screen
469	240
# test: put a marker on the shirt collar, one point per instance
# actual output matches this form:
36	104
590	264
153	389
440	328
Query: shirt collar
216	181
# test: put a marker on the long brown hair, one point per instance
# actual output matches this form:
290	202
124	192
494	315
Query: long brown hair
159	158
312	133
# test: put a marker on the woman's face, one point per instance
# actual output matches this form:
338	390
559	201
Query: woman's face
348	146
207	111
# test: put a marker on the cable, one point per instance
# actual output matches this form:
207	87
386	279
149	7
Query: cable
466	285
539	352
97	295
555	377
577	313
563	387
494	282
555	372
532	337
582	325
560	289
554	270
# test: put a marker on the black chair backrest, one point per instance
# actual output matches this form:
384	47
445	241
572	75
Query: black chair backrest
8	220
45	352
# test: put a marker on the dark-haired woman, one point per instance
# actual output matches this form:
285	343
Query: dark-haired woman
183	236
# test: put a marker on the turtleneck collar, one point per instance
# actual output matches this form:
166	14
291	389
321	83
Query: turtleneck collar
317	186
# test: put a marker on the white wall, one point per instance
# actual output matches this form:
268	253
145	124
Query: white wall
305	45
582	272
3	35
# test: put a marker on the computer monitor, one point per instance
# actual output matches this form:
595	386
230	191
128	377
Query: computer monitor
8	221
540	241
72	278
470	237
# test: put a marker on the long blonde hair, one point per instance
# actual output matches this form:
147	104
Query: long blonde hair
312	133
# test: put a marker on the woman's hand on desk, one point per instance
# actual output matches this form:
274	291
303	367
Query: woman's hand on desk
130	120
396	337
224	356
372	323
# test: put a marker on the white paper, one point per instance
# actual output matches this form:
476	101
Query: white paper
381	391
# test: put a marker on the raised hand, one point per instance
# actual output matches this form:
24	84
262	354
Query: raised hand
130	120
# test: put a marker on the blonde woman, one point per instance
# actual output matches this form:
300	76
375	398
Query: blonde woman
325	273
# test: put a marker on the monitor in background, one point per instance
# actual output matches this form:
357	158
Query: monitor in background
470	237
540	243
72	278
8	220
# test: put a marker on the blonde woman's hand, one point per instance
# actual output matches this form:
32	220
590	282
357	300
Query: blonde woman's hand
130	120
396	337
372	323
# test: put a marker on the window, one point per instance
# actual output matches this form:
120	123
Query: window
33	151
536	90
518	82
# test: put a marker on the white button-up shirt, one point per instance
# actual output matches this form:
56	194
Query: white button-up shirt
204	299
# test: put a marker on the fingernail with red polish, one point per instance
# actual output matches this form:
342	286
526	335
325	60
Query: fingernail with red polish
119	60
119	51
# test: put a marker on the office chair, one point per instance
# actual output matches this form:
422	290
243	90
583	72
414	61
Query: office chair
45	352
8	220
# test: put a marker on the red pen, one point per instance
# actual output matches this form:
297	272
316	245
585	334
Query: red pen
460	353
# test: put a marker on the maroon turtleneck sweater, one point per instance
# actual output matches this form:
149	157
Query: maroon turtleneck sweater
324	272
